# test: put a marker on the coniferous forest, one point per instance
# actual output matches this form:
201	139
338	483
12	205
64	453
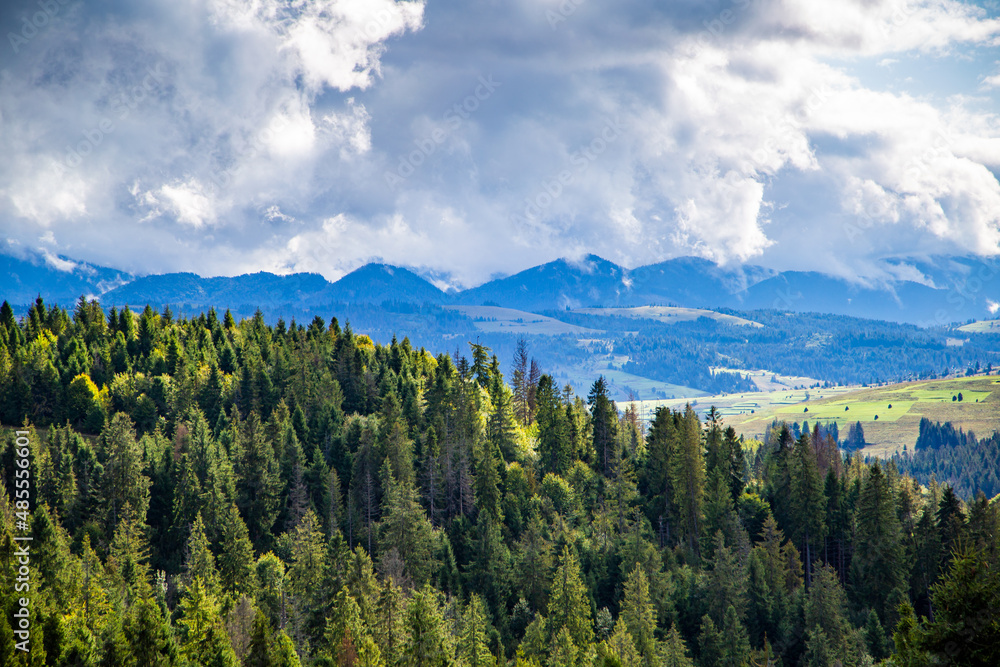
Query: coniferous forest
206	491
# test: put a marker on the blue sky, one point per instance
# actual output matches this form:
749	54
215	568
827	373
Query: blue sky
480	137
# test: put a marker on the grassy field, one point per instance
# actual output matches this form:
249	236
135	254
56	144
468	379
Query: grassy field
982	326
667	314
889	428
755	410
493	319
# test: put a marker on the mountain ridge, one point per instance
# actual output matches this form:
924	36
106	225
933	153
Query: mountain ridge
955	289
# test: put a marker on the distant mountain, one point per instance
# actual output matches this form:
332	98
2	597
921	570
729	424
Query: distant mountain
264	290
561	284
57	279
376	283
372	283
693	282
596	282
951	289
814	292
936	290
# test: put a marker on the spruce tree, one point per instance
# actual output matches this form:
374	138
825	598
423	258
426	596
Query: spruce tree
639	615
877	567
569	606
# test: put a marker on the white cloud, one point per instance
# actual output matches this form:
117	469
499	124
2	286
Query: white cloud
258	133
58	263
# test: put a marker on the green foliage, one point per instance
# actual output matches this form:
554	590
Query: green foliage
208	491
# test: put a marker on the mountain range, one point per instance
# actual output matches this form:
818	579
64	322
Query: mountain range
942	289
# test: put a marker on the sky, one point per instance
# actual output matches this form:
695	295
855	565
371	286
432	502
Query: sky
469	139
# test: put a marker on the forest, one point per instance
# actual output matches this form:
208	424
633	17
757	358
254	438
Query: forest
207	491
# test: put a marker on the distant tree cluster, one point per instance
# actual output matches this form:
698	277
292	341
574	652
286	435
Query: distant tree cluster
214	492
934	435
946	455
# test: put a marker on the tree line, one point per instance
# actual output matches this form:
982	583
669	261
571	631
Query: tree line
214	492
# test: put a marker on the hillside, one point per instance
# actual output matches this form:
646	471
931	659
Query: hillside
887	429
668	314
59	279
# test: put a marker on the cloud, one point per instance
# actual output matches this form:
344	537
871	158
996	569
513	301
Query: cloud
473	138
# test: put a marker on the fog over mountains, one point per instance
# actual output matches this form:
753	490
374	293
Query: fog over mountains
949	289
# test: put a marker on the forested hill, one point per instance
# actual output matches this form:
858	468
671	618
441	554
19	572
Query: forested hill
204	491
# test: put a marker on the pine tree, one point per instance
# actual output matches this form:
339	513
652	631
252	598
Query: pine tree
200	562
877	568
569	606
604	424
365	490
473	648
236	561
519	380
148	636
950	521
205	641
388	627
404	527
639	615
662	445
688	478
726	583
124	484
736	648
808	502
257	485
348	637
710	642
307	564
966	625
427	643
553	443
675	651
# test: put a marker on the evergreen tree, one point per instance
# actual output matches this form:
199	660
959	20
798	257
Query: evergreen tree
604	424
808	502
200	562
688	477
124	484
236	561
473	647
675	651
877	568
966	625
257	482
553	444
427	642
404	527
639	615
569	606
205	641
